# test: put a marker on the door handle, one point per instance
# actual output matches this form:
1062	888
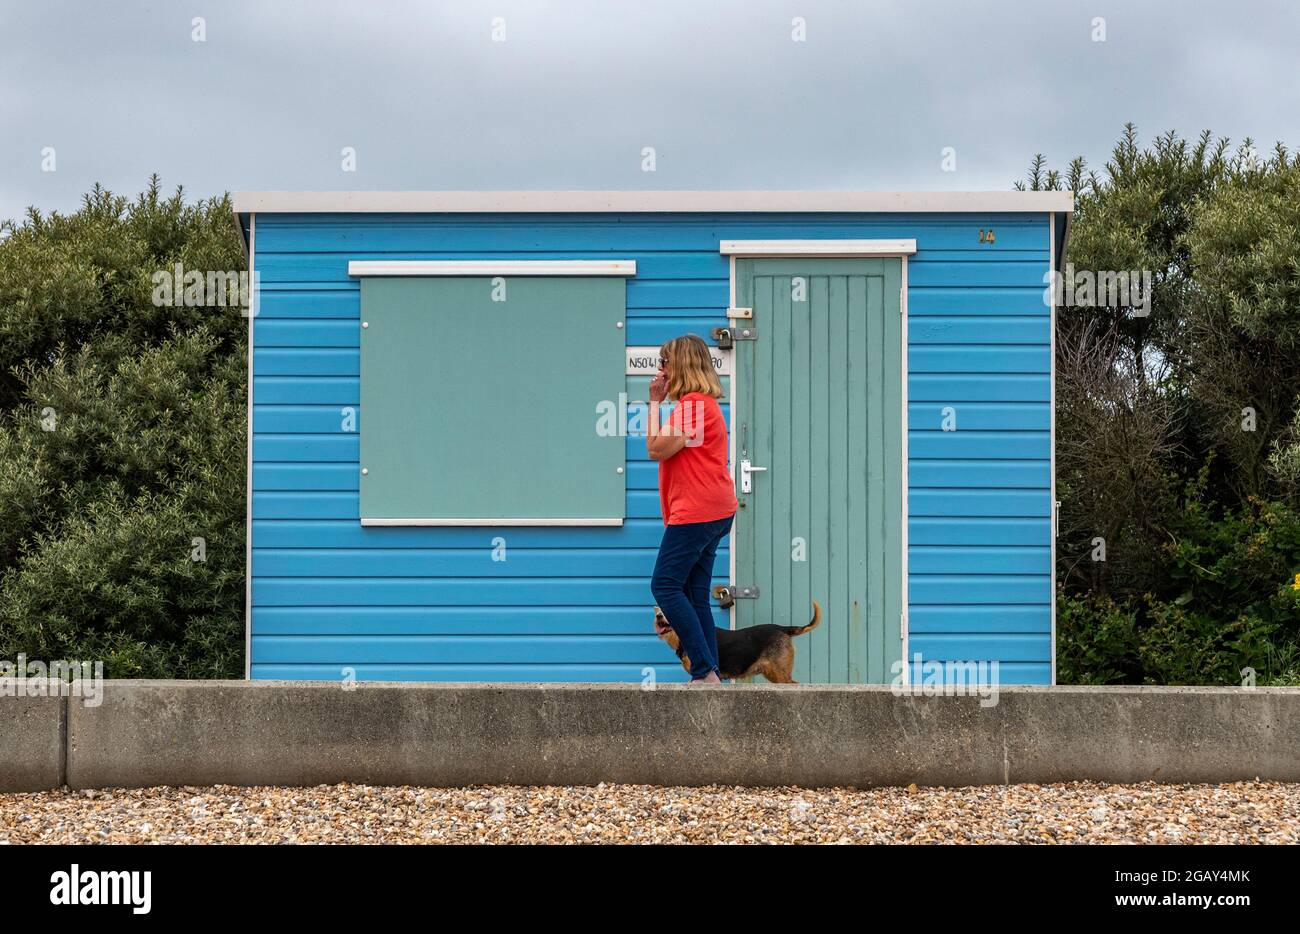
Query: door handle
746	469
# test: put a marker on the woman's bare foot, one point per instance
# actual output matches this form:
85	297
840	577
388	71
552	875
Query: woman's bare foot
710	678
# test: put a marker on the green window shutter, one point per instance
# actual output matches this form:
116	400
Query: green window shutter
479	411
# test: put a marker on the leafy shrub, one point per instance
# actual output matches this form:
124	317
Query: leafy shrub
1178	431
1227	601
1096	641
122	441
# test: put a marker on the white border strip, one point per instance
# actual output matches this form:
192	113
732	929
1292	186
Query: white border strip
493	267
759	248
1054	511
736	412
253	309
793	202
473	522
905	597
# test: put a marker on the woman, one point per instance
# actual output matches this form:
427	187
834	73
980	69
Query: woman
695	496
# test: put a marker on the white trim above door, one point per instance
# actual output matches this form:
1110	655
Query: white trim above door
827	248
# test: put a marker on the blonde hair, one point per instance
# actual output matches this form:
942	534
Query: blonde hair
692	367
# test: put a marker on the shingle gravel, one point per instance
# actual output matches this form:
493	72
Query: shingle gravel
1075	812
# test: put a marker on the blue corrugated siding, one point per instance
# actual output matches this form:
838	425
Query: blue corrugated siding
573	604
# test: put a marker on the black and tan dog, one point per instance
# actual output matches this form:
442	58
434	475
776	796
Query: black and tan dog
766	650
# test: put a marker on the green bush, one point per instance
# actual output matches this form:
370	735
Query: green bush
122	442
1226	602
1096	641
1178	430
1180	647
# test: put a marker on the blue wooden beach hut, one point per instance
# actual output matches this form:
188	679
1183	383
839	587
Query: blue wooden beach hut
446	477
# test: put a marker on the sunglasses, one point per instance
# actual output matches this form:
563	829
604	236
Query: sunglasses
663	362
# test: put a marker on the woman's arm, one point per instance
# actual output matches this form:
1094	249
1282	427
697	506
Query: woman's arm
661	442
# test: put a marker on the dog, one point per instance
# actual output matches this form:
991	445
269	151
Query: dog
766	650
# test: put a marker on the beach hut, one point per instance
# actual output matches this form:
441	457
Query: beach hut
447	474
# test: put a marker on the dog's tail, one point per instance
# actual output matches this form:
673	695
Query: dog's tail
800	630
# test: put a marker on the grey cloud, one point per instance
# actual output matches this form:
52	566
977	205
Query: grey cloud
578	88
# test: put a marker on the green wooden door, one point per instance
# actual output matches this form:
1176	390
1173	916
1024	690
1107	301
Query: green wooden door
819	398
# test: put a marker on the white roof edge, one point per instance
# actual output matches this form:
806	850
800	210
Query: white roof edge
510	202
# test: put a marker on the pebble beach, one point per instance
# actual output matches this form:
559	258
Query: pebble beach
1073	812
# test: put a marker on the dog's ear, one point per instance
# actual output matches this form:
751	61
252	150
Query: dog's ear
660	623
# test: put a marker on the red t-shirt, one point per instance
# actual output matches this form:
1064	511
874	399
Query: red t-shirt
694	485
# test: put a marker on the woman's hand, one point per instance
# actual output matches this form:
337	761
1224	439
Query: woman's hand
659	387
661	442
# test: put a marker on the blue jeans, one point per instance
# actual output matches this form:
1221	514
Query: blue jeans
680	585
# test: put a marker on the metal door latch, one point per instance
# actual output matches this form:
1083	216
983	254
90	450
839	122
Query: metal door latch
727	596
726	337
746	479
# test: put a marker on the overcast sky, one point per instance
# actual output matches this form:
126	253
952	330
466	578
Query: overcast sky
722	91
